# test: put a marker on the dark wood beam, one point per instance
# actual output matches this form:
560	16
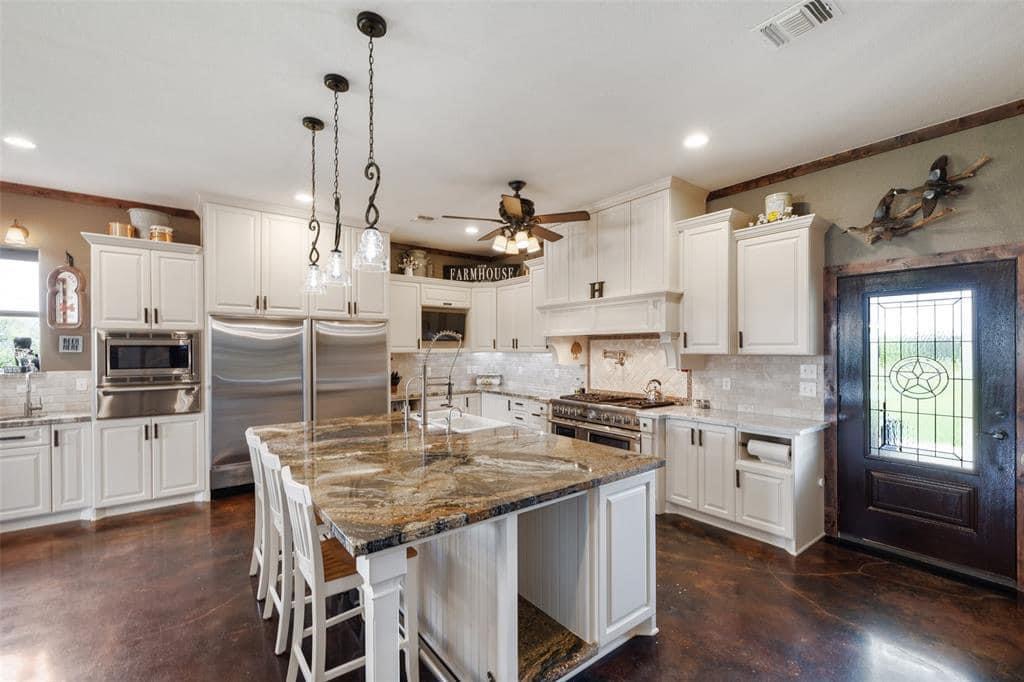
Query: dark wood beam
91	199
956	125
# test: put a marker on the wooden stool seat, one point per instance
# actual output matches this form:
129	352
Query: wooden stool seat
338	563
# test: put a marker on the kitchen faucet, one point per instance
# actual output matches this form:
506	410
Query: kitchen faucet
444	334
29	407
451	409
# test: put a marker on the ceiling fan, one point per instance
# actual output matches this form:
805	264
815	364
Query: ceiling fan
521	229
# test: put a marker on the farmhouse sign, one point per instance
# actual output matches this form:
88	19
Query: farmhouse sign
481	273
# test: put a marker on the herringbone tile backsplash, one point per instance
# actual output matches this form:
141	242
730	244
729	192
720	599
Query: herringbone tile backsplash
644	361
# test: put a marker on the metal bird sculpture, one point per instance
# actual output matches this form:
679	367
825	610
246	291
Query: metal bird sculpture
937	186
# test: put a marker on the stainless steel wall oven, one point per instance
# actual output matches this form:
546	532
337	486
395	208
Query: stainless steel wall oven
142	374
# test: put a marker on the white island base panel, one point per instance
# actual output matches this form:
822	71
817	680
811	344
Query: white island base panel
587	562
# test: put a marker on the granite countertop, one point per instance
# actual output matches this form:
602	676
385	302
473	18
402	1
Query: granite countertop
43	420
381	487
497	390
769	425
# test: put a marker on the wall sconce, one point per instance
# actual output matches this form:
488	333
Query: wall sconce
17	234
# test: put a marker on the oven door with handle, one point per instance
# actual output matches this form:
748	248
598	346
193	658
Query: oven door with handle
615	440
567	430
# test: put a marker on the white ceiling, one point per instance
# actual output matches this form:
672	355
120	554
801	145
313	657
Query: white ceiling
159	101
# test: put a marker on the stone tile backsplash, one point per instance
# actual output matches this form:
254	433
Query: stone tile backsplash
529	373
765	384
59	391
644	361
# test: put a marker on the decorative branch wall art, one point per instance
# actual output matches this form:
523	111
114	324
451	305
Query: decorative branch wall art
939	185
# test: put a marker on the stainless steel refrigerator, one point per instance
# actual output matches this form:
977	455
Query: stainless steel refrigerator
273	371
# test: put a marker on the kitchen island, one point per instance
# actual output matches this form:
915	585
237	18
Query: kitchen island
536	551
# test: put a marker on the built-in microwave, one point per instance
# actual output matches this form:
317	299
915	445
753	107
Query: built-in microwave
435	320
146	358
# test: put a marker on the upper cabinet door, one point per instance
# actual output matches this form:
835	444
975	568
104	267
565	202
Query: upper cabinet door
507	316
582	257
708	270
774	294
523	306
556	262
613	250
538	290
404	328
336	302
232	244
285	253
483	321
648	250
177	291
371	292
122	281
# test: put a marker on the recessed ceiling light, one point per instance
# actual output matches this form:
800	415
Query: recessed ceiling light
695	140
472	229
303	197
20	142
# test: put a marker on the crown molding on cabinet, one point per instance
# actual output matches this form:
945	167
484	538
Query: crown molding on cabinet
98	239
277	209
811	220
658	185
737	219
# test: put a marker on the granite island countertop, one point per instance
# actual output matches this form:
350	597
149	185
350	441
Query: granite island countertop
380	487
44	420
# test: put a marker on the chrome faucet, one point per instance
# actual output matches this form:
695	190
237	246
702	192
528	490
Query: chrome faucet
445	334
448	419
29	406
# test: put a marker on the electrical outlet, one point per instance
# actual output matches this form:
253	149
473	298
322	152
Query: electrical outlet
726	384
81	384
808	371
808	389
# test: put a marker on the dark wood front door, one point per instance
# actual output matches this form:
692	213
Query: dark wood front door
926	396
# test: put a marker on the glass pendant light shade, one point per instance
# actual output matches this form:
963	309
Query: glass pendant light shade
532	245
510	248
314	281
337	274
371	255
522	240
499	243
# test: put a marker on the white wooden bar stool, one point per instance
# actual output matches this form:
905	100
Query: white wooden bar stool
259	538
329	569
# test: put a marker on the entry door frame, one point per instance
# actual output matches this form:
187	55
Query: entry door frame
1013	251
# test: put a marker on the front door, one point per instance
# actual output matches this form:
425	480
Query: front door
926	395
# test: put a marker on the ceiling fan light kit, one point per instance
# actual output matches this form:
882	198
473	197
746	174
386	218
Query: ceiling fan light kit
499	243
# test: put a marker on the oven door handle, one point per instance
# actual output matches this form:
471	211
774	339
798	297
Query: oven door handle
597	428
131	389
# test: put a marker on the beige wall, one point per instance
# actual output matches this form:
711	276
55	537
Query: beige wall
54	227
990	212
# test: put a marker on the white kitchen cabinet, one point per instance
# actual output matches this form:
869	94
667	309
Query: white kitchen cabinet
582	247
510	315
613	257
70	466
284	249
469	403
24	478
233	247
139	284
779	287
682	463
556	259
529	413
404	328
444	296
370	297
367	297
495	406
717	493
649	237
538	297
482	322
764	500
709	282
122	457
626	556
177	450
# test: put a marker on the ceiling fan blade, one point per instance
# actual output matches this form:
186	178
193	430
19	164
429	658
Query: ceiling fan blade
544	233
491	235
570	217
513	206
466	217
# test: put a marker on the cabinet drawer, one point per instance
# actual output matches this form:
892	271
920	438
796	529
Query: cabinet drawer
24	437
444	297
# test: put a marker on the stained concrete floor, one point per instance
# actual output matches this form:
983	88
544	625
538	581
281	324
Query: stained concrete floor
165	595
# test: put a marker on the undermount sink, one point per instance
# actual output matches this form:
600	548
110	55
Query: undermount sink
468	423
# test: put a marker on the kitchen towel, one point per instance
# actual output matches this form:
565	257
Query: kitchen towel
774	453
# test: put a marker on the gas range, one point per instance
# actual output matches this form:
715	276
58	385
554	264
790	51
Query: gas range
613	410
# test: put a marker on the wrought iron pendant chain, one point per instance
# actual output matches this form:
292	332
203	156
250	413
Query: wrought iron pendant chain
372	170
337	194
313	124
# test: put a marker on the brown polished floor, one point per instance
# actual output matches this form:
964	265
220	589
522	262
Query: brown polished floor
165	596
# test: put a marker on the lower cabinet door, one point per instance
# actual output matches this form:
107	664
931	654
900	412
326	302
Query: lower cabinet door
764	501
177	456
717	470
625	545
495	406
24	482
72	446
122	461
682	463
471	404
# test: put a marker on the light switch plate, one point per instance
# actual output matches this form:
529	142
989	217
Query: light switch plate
808	371
808	389
726	384
81	384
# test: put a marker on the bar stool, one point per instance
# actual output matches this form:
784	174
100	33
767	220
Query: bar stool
259	538
329	569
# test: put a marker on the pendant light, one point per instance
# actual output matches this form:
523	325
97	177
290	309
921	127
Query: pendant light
314	281
371	255
337	270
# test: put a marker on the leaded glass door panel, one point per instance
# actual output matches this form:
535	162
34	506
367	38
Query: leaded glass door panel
926	369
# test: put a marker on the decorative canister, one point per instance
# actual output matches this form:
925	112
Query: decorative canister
161	233
120	230
777	204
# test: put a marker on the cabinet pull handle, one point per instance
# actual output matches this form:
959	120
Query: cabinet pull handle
21	437
156	430
737	478
684	340
741	339
692	440
257	301
494	344
145	315
264	302
156	316
56	438
700	437
509	406
145	431
446	303
355	307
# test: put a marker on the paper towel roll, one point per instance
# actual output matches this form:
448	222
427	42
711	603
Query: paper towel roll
776	453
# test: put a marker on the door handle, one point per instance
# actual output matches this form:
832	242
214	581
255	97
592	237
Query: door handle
691	438
997	435
156	430
145	431
700	437
684	339
156	316
56	438
12	437
741	339
145	315
257	301
355	307
264	302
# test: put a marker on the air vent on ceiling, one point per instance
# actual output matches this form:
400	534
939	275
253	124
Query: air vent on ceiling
797	20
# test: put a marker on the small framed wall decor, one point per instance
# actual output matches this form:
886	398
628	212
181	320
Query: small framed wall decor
65	297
